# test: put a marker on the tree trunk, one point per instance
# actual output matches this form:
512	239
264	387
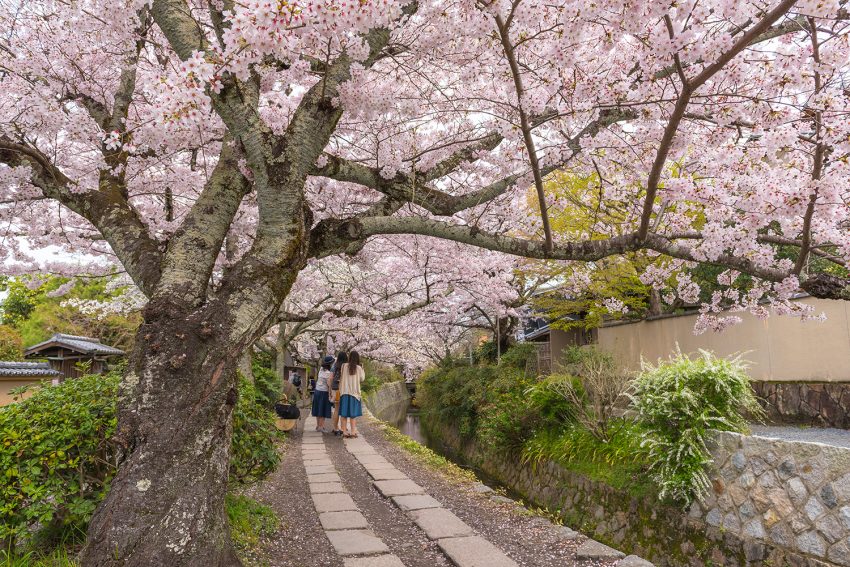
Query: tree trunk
166	504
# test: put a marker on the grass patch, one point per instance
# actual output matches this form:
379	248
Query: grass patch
249	521
425	455
60	557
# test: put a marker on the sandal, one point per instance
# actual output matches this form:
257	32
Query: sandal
354	435
347	435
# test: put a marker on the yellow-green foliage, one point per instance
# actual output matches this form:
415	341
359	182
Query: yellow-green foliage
11	344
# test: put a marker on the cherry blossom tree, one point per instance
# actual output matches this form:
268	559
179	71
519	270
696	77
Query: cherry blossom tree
216	149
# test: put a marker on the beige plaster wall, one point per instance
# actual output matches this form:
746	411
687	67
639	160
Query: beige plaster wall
779	348
9	384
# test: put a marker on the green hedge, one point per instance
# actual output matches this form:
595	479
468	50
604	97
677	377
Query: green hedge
662	450
57	460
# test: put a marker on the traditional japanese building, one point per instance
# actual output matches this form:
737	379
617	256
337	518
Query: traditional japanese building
65	352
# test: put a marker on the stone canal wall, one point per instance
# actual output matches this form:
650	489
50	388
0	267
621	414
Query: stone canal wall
773	503
388	402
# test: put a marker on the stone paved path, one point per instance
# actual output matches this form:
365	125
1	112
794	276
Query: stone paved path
347	528
366	503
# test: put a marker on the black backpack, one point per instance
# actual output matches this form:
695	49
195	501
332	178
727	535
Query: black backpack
337	377
296	381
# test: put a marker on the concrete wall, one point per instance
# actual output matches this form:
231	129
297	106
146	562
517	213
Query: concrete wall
9	384
388	402
780	348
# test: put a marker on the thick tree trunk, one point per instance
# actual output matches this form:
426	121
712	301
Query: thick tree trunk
166	505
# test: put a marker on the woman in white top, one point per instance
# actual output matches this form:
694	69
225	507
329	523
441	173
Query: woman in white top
349	388
321	399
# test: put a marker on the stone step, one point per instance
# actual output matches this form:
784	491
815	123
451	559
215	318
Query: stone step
379	561
333	503
416	502
398	487
439	523
356	542
474	551
326	488
387	474
324	477
349	520
319	469
592	549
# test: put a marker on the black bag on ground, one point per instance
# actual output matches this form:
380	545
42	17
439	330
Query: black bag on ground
286	410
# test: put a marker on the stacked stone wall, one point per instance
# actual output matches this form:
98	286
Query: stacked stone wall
772	503
824	404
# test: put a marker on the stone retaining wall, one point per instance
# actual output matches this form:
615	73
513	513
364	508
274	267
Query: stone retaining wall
773	503
388	401
825	404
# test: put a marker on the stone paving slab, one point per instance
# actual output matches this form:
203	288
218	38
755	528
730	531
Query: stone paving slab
398	487
312	441
379	561
474	551
592	549
325	477
319	469
378	466
363	451
313	461
313	450
333	503
356	542
350	520
387	474
416	502
326	488
370	459
439	523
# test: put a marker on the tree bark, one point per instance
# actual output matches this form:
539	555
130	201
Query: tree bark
166	504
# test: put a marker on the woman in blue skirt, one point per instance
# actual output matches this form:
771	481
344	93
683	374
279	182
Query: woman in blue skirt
321	396
349	388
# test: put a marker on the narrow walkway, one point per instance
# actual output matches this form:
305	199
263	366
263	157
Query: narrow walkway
348	530
368	503
824	435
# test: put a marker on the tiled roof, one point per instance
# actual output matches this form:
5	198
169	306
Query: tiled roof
27	369
84	345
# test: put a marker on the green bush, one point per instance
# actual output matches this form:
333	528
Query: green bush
57	460
678	402
267	384
253	453
56	455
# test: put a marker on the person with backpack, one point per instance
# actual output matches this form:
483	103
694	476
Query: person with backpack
350	407
341	359
321	398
